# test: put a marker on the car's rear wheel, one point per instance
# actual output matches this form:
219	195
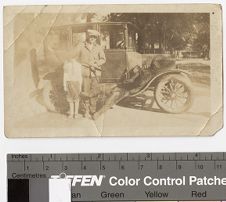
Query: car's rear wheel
173	93
47	93
54	98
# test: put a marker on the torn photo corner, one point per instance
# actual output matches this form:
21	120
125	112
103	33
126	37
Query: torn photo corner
113	70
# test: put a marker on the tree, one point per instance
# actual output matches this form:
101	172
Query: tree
170	30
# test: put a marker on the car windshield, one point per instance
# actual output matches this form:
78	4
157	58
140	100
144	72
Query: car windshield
132	39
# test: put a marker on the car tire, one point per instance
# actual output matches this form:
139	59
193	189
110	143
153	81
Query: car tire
173	93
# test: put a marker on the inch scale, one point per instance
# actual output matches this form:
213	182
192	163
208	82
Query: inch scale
121	176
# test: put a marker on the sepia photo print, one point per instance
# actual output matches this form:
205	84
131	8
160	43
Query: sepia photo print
113	70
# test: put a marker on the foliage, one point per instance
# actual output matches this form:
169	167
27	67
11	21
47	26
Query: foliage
173	30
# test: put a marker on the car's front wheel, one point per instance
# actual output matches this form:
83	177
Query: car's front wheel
173	93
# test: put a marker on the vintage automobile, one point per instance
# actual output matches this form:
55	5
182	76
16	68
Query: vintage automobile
126	72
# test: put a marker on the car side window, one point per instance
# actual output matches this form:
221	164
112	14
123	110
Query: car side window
112	37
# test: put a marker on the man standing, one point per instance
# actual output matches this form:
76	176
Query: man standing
91	57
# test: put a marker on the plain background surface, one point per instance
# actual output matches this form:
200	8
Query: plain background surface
59	190
216	143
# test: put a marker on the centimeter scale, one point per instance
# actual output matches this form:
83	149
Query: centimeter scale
116	177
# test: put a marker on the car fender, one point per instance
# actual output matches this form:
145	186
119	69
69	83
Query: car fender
186	74
176	71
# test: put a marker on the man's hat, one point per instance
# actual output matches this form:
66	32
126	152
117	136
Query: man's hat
92	32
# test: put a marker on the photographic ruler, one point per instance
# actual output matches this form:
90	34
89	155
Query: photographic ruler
117	176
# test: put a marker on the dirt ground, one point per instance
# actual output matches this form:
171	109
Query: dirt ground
128	121
139	116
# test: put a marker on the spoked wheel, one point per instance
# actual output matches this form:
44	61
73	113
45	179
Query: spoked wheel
47	93
173	94
54	98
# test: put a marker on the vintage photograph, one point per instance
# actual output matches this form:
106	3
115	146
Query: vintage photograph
119	71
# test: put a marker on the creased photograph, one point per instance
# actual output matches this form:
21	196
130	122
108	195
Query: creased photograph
113	70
